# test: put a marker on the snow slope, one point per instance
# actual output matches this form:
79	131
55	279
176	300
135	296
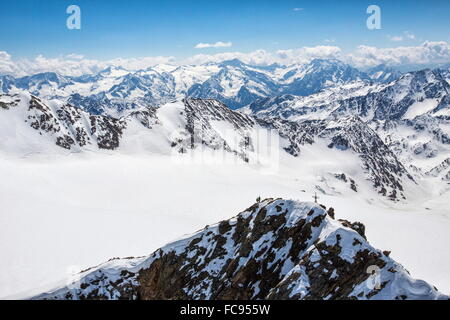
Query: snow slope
70	213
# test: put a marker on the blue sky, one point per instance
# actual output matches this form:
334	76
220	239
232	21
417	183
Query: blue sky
137	28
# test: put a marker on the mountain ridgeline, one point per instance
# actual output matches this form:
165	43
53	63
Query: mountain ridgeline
198	124
276	249
233	82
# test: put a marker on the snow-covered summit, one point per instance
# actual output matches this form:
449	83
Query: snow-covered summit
276	249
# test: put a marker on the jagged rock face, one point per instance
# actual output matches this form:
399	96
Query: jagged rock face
199	124
442	170
276	249
69	127
381	165
98	104
298	134
418	142
446	73
9	101
200	118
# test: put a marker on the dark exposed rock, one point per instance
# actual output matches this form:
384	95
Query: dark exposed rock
330	212
357	226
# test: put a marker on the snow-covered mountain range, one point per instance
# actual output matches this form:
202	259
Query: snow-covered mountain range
410	115
383	73
276	249
415	93
378	137
233	82
398	131
31	125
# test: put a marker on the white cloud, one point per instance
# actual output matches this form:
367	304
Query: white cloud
133	64
218	44
7	66
75	56
395	38
428	52
258	57
73	65
298	9
409	35
406	35
363	56
305	54
263	57
4	56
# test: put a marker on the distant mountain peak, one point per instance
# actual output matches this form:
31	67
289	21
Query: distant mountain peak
327	61
233	62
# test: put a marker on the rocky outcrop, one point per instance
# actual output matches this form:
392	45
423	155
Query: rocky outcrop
276	249
442	170
67	126
385	171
